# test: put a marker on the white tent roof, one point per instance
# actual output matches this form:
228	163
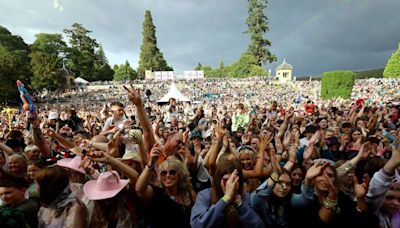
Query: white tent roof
174	93
80	80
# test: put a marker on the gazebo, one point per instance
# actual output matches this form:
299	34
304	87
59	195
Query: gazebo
67	76
284	72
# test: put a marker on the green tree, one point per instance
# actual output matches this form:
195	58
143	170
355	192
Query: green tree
14	64
102	70
124	72
246	66
337	84
151	58
392	69
46	61
257	24
86	57
207	69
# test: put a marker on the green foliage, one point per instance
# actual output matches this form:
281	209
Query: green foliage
86	57
46	71
392	69
207	69
246	66
151	58
257	24
337	84
124	72
46	61
14	64
375	73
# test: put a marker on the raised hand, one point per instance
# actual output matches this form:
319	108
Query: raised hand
265	140
361	190
286	140
133	95
232	186
365	150
50	132
314	171
219	131
245	139
315	138
155	153
296	138
308	152
331	186
185	137
113	145
98	156
85	143
225	142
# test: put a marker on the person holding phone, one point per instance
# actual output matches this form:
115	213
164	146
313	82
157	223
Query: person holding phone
116	121
225	204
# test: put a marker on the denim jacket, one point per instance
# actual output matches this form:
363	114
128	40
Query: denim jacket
258	200
205	214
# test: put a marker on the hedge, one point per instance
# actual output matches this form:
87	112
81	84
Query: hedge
392	69
337	84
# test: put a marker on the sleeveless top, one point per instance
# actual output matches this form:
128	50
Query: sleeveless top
162	211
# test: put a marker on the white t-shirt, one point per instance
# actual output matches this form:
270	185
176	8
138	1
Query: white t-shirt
111	122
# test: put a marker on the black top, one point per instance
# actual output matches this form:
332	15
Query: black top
162	211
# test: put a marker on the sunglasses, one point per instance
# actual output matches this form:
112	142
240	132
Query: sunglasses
180	142
171	172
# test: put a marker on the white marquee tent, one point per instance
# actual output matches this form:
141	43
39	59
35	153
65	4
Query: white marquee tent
173	93
80	80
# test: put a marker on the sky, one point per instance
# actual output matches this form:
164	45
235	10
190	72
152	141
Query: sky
313	36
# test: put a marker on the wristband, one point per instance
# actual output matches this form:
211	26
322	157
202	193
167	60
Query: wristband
275	177
225	199
330	204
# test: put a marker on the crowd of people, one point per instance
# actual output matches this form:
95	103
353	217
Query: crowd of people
243	153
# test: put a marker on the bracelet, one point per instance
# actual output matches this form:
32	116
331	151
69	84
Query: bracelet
359	210
225	199
330	204
275	177
294	161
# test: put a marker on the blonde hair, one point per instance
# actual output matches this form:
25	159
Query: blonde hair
30	148
184	184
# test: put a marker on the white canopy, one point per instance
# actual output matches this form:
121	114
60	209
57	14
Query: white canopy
80	80
174	93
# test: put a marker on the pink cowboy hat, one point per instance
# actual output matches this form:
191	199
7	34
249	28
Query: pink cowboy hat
107	185
72	163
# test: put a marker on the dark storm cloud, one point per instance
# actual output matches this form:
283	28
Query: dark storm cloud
313	35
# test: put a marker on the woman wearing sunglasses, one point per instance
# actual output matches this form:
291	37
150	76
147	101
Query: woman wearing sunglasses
169	201
225	204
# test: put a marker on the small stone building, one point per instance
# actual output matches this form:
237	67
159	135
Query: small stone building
284	72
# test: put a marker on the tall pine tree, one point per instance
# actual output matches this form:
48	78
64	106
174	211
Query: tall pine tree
86	57
392	69
257	24
151	58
